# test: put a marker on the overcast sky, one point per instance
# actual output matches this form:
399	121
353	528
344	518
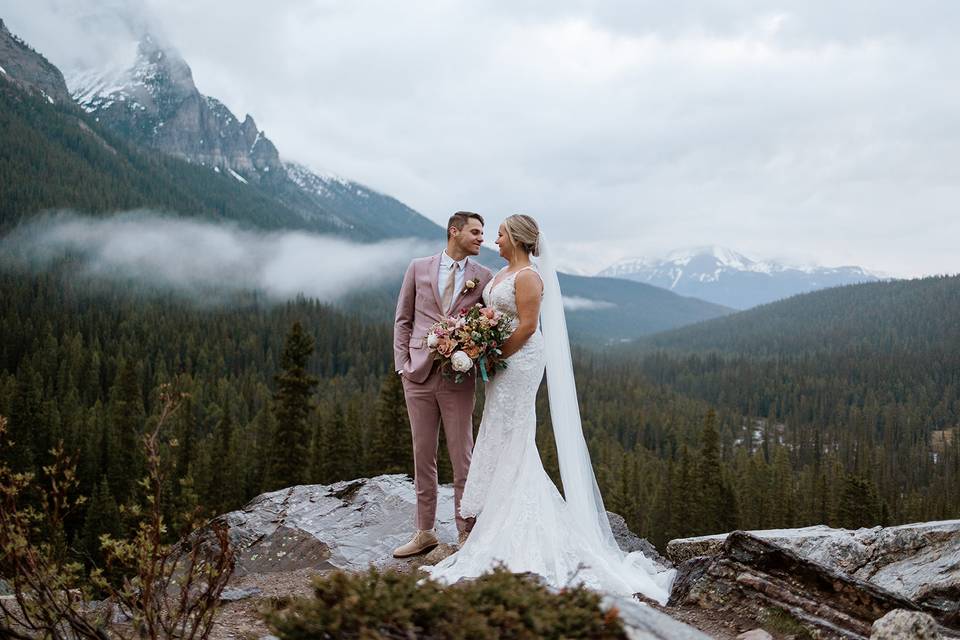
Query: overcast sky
814	131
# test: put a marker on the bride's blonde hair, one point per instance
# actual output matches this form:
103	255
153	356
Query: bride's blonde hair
524	233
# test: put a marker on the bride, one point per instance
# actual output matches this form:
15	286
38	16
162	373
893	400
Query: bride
522	521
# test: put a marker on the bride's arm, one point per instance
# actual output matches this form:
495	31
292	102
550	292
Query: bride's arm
529	291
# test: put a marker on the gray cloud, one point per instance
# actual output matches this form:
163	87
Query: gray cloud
809	132
209	261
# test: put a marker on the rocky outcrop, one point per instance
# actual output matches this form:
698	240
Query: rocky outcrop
809	578
28	69
920	562
156	103
348	525
751	573
354	524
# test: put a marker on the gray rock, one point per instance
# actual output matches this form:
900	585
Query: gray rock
755	634
643	622
29	70
347	525
918	561
900	624
629	541
754	574
350	525
233	594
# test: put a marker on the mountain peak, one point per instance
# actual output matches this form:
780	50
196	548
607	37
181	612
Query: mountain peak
724	276
721	255
156	102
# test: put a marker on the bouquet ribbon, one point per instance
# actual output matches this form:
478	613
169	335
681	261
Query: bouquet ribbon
483	368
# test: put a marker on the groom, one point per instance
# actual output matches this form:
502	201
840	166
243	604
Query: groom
433	288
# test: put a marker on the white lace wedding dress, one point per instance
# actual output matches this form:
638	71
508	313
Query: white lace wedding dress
522	520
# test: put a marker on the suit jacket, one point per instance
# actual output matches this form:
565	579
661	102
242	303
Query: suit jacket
418	308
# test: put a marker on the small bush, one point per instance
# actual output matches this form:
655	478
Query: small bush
391	604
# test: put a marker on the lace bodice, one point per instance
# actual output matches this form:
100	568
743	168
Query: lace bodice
502	294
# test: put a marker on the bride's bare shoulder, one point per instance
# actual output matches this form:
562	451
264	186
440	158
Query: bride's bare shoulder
530	280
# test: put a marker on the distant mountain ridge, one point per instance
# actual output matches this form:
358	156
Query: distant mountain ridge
915	316
723	276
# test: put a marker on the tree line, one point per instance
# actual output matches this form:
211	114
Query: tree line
305	393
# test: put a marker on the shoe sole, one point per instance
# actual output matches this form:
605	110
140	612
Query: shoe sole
426	549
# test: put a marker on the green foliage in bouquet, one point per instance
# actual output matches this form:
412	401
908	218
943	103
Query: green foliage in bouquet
391	604
470	340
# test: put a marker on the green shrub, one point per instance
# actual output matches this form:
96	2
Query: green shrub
391	604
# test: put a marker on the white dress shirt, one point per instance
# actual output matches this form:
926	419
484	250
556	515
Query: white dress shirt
444	273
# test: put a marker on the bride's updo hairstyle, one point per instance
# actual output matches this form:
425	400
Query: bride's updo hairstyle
524	233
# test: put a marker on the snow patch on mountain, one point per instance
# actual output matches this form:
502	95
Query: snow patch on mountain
724	276
317	182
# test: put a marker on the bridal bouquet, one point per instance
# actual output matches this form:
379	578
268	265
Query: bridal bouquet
470	339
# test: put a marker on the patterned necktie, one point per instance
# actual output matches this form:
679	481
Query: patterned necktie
447	298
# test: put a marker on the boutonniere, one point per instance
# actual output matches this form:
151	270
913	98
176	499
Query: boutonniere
470	285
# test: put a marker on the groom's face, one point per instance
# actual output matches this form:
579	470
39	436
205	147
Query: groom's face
470	238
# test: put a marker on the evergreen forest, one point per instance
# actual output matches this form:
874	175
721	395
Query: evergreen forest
850	421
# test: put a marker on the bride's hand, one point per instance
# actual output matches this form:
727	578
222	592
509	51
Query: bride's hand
529	290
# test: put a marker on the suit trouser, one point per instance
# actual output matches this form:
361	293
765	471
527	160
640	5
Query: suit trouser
434	401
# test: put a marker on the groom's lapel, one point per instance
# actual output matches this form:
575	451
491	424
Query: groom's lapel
471	272
434	280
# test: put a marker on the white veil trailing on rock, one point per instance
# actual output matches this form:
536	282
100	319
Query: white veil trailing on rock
579	482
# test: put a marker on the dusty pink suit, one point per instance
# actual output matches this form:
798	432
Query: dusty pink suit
431	398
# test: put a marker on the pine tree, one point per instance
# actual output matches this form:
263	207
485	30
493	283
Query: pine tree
683	515
858	505
337	454
711	497
292	405
221	472
126	425
26	420
102	517
391	448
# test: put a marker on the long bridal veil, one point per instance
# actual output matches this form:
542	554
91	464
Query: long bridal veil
580	487
579	483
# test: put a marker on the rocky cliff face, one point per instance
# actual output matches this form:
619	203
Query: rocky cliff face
25	67
156	103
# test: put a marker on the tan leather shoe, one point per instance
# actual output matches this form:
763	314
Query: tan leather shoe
462	537
422	542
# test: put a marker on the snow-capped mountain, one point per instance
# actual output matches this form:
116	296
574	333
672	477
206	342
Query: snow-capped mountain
155	102
723	276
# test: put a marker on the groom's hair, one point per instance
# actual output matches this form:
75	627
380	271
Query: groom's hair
459	219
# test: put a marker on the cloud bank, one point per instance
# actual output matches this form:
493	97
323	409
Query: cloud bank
210	262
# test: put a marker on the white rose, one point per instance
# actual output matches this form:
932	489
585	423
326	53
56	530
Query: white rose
461	362
432	340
